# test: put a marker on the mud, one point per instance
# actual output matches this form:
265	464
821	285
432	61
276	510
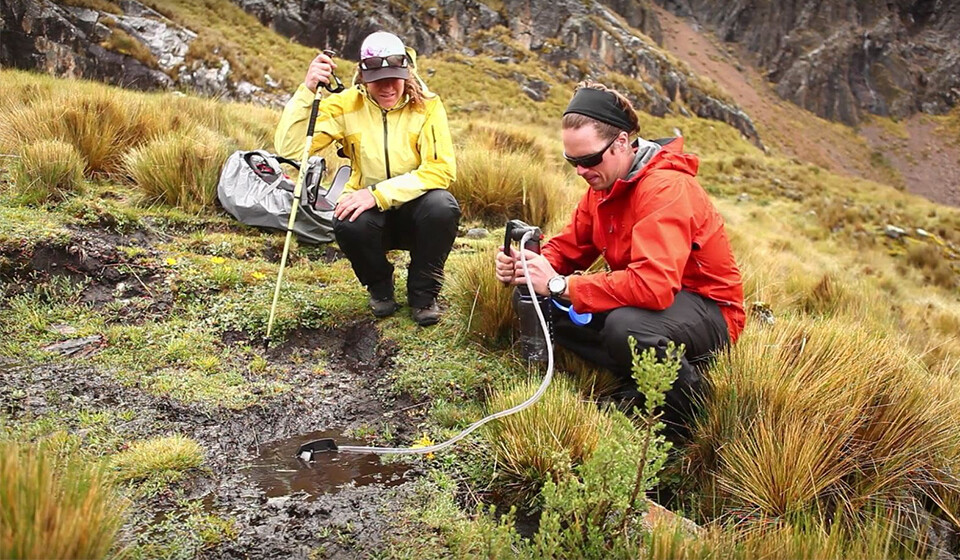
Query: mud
332	508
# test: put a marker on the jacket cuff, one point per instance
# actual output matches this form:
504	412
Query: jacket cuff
382	203
303	96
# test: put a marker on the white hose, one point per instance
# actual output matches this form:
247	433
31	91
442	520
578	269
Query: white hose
536	396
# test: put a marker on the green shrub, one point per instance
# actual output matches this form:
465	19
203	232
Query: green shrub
46	511
179	169
48	170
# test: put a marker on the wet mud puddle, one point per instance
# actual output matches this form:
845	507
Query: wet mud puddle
279	472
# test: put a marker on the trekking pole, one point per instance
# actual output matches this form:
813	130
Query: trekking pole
298	190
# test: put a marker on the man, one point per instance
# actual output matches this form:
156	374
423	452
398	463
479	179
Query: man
672	272
396	135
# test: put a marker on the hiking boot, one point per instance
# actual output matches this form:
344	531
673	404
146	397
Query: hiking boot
382	307
426	316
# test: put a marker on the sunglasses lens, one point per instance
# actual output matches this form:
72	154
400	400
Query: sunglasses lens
374	62
586	161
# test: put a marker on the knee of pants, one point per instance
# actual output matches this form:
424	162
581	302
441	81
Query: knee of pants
616	335
438	208
357	230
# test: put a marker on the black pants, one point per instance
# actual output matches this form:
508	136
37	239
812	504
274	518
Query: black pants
692	320
425	226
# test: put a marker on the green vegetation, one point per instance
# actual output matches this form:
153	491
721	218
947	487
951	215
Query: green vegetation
832	432
156	462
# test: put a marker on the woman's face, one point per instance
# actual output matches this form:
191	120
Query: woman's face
386	92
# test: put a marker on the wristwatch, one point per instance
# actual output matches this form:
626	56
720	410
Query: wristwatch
557	285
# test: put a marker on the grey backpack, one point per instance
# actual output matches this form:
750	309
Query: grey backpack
254	189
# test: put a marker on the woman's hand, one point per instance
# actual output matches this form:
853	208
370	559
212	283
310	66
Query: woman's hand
319	72
352	205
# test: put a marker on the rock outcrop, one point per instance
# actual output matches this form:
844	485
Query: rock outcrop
138	49
843	58
575	39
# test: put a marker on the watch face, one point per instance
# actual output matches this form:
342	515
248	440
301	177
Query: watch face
556	285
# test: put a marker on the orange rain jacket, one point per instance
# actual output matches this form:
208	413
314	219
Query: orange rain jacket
659	233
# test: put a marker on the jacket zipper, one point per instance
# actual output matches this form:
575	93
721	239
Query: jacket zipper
386	145
434	132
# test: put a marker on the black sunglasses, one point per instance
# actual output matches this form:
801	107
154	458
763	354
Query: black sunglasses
591	160
376	62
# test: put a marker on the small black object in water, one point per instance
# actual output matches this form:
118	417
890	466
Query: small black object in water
307	450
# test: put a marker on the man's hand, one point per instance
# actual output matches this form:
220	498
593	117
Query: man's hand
352	205
538	267
504	266
319	71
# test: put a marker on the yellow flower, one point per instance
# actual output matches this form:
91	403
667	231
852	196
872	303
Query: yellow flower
218	260
424	441
171	261
258	275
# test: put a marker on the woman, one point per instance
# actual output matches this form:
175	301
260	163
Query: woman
396	135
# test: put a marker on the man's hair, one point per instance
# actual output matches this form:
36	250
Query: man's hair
604	130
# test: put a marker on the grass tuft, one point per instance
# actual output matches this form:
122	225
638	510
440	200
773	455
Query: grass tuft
543	442
814	416
179	169
71	511
164	458
483	304
48	170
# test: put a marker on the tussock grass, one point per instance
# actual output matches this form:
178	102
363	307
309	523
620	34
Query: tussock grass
48	170
546	440
121	42
481	303
494	186
165	457
46	511
815	416
877	537
99	122
180	169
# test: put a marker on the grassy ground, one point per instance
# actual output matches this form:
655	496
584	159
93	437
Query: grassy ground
848	318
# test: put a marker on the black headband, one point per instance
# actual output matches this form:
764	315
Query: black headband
600	105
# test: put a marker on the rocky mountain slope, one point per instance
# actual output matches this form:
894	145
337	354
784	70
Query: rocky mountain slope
123	43
842	59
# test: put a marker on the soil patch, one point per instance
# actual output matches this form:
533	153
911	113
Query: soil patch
353	392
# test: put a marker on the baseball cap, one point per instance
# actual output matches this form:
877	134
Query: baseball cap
382	55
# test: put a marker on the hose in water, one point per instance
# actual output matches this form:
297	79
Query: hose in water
536	396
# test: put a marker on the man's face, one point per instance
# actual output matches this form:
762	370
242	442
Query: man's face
386	92
584	141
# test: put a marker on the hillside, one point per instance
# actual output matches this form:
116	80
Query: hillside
133	313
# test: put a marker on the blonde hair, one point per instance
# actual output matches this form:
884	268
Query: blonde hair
412	88
604	130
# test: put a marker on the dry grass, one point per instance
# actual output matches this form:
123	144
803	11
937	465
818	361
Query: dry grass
50	512
180	169
545	440
482	303
493	186
48	170
813	416
876	538
121	42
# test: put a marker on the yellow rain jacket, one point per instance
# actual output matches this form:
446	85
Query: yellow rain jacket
398	154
